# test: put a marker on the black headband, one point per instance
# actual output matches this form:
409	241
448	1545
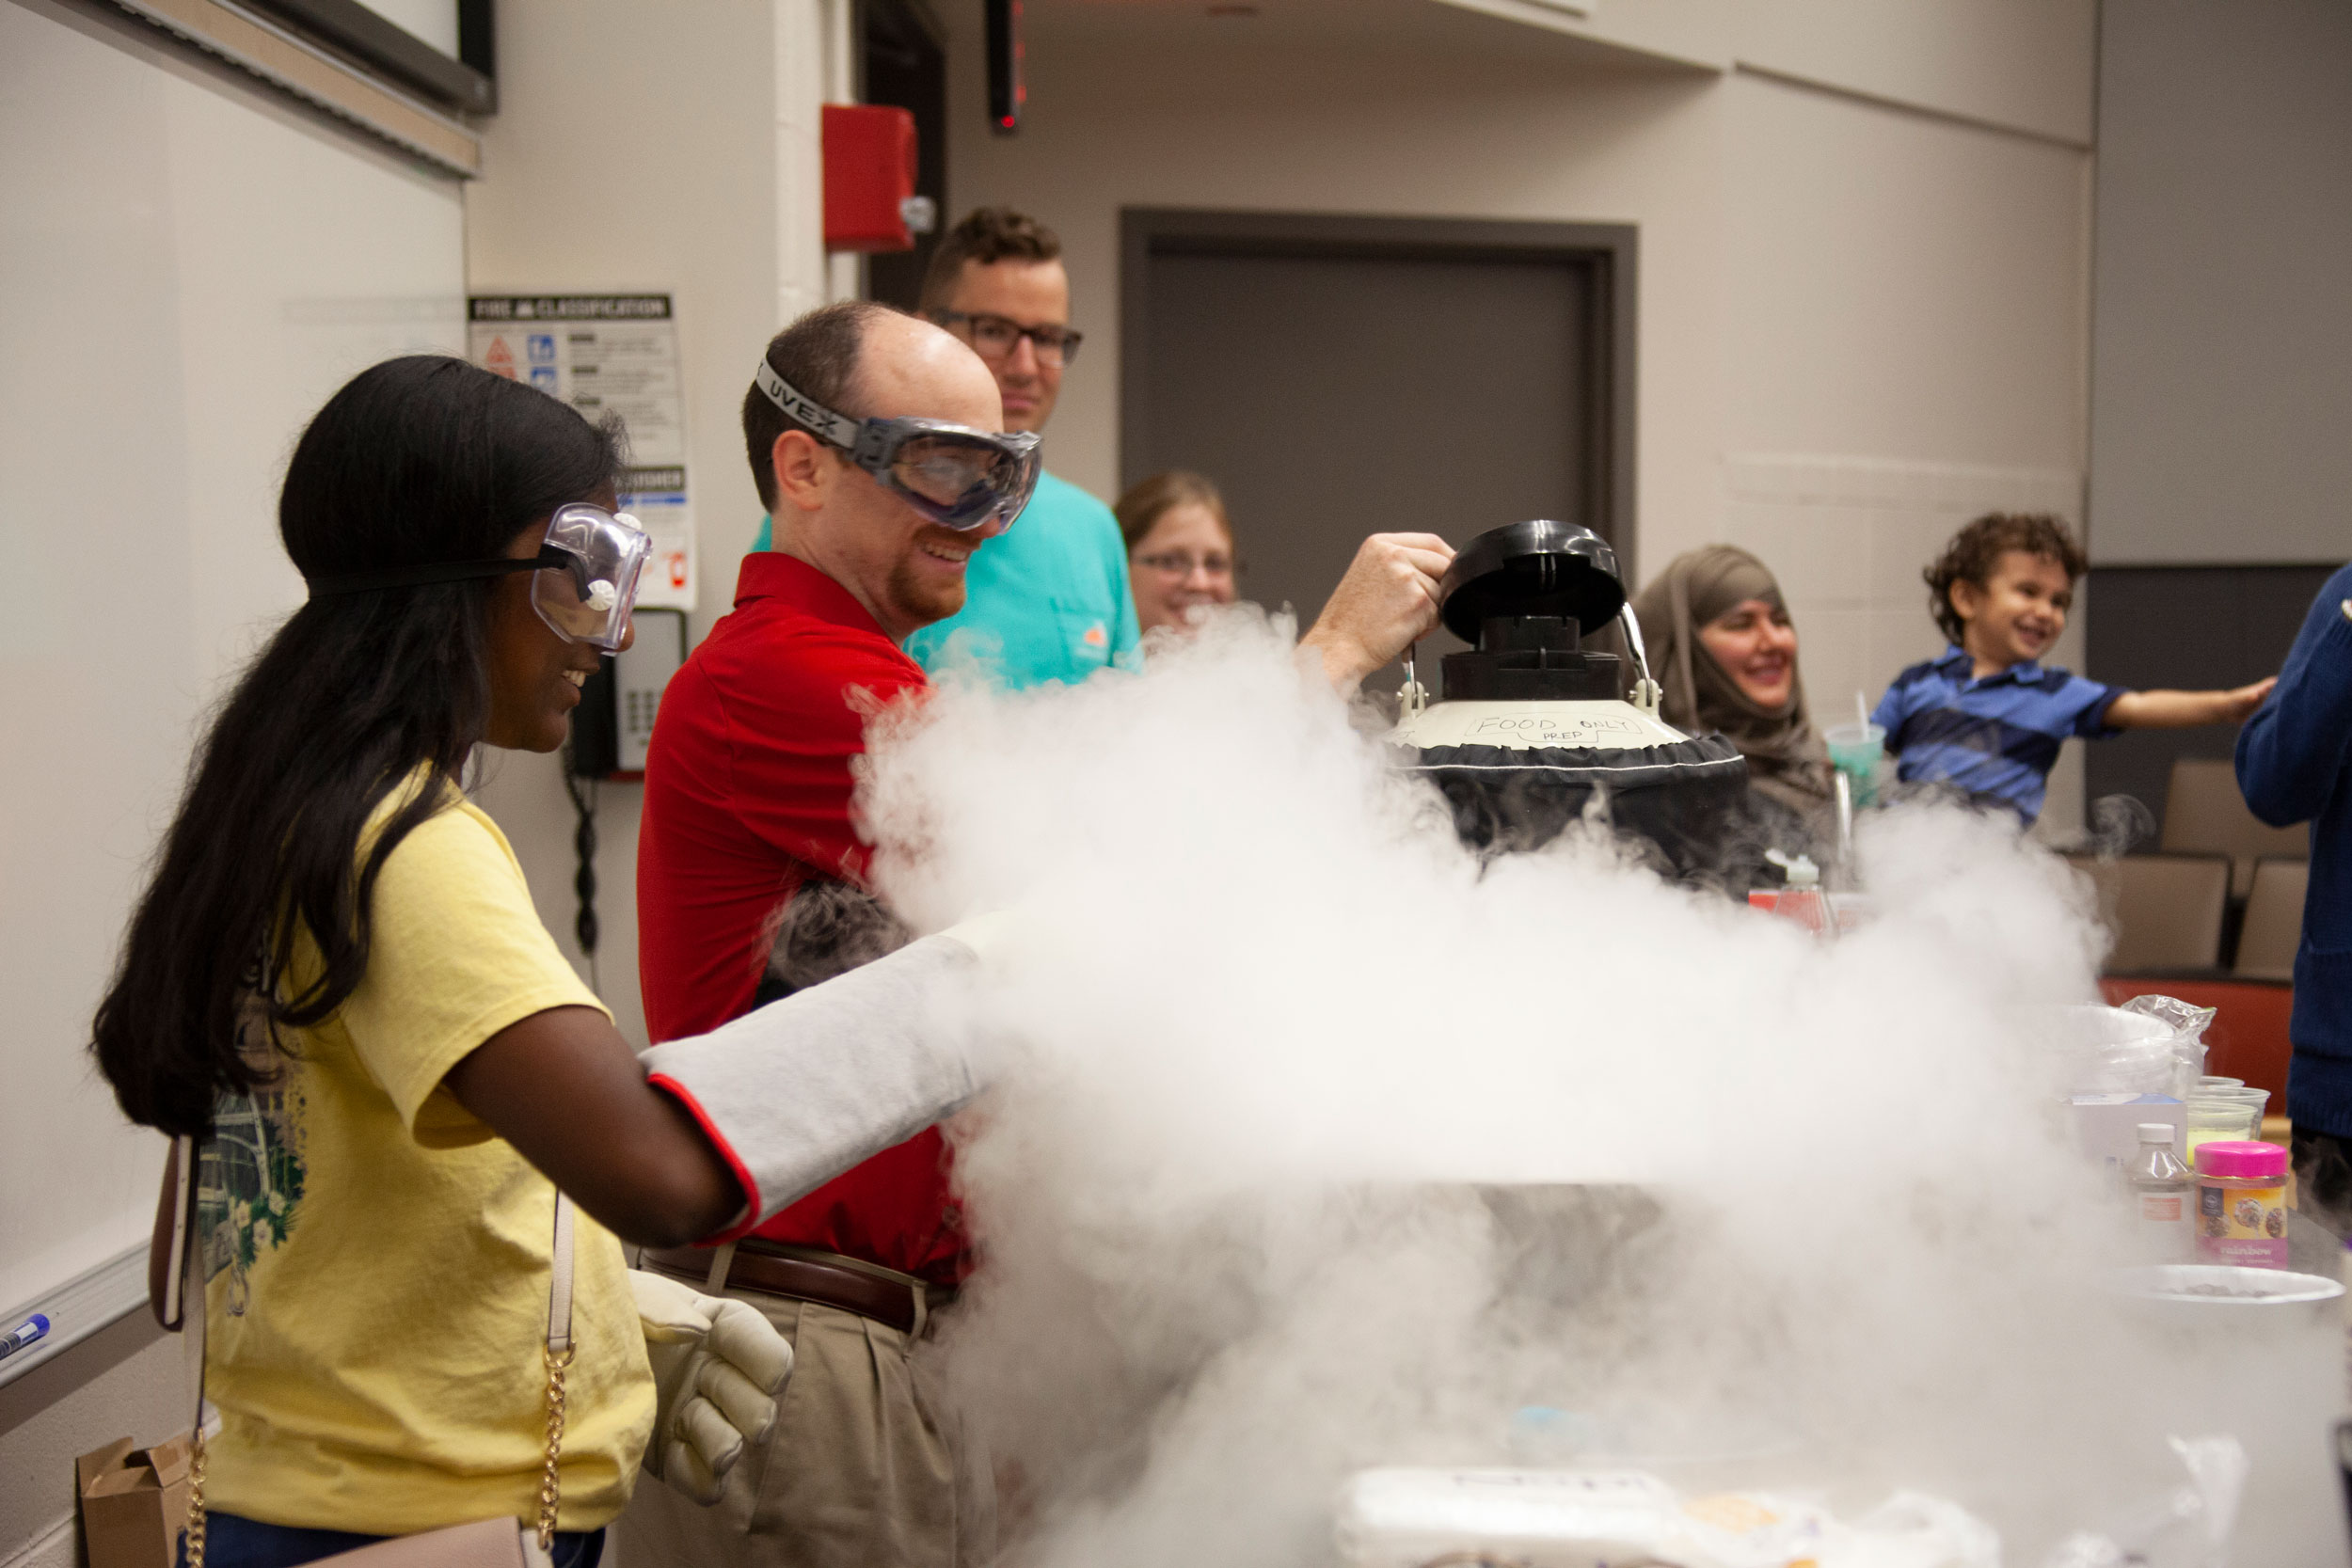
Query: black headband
442	571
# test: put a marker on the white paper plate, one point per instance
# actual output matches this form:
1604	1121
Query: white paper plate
2224	1284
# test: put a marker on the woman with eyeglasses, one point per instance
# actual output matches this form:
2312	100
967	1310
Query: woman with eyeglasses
1180	547
1181	562
336	984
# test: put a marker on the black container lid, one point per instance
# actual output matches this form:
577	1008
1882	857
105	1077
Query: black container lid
1537	567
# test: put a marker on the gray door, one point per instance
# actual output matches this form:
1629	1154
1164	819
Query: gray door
1337	384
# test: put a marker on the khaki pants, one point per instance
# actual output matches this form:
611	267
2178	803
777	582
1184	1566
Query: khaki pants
865	1469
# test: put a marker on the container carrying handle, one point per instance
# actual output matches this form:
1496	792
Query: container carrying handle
1412	698
1648	693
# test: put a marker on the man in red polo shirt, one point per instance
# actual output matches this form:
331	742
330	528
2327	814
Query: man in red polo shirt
748	788
747	800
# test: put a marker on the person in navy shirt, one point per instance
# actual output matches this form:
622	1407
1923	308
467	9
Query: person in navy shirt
2294	758
1987	716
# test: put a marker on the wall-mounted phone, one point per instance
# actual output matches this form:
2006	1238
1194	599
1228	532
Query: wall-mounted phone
613	723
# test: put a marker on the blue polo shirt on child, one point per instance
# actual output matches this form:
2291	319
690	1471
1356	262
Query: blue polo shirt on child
1045	600
1997	736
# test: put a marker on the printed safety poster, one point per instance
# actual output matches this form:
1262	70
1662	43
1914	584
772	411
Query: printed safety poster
617	355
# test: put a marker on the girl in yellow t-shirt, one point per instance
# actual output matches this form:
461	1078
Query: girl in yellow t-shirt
336	982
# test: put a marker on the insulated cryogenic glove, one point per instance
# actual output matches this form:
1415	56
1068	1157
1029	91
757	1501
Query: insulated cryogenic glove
716	1368
797	1091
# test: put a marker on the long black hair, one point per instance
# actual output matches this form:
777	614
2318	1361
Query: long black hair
416	460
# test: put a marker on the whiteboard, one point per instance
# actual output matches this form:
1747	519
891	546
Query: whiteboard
190	269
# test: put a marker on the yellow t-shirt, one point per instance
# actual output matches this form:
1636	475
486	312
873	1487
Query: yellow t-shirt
379	1259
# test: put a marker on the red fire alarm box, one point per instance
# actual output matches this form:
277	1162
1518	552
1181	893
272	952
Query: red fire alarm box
870	179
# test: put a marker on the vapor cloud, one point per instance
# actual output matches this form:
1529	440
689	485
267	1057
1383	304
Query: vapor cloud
1326	1146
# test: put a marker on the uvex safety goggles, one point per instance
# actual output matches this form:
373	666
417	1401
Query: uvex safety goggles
584	577
958	477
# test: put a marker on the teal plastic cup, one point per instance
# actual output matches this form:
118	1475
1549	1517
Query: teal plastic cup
1854	749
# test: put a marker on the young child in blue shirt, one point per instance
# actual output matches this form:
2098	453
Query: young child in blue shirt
1986	716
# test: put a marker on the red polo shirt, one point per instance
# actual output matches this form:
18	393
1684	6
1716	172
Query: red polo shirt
747	796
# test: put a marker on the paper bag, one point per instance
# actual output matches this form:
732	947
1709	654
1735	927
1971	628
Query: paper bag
135	1502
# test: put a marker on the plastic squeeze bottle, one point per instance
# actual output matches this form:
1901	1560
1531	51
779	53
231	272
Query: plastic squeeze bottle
2164	1196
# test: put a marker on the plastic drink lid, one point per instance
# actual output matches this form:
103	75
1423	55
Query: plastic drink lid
2156	1131
2240	1157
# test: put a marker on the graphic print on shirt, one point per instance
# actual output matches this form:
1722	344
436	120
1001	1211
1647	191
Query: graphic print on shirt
248	1185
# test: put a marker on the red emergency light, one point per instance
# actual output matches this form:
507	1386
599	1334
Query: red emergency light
869	176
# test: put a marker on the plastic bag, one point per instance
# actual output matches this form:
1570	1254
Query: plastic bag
2189	1525
2188	1024
1597	1518
2097	1050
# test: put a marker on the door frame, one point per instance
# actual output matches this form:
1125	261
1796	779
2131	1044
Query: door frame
1611	249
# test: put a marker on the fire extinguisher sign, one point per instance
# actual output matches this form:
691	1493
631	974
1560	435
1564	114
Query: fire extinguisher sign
610	355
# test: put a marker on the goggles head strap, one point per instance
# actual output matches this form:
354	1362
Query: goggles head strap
438	571
836	427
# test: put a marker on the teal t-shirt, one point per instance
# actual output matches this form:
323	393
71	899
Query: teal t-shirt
1046	600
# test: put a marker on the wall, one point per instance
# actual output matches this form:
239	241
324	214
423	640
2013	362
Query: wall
2222	338
1905	342
126	1381
699	176
1371	132
1860	323
2189	627
2221	451
2022	67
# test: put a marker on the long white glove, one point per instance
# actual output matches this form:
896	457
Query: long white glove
797	1091
716	1368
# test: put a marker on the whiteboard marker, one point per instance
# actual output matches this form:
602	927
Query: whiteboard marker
24	1333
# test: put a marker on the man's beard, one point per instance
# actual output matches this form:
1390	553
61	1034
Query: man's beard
921	599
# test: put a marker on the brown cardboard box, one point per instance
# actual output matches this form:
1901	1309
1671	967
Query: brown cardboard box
133	1503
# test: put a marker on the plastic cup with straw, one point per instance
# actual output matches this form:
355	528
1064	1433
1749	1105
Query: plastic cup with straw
1854	749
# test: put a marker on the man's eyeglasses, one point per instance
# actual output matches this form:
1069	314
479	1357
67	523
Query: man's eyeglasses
994	336
1176	564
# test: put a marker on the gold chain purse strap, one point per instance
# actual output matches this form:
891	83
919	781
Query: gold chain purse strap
196	1500
556	1354
186	1313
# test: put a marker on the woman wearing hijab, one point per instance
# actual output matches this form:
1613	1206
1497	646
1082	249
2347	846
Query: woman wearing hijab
1721	643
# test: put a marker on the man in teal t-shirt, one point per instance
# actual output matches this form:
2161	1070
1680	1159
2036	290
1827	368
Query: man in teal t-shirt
1046	600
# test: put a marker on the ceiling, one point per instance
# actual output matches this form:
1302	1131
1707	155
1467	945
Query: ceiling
1352	26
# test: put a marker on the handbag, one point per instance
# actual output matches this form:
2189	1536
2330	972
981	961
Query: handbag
484	1544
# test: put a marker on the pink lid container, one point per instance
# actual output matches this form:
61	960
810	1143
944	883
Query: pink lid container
2230	1157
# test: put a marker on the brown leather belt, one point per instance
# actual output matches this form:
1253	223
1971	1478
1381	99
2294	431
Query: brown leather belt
800	1277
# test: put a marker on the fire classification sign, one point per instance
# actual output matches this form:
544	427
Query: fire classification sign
610	354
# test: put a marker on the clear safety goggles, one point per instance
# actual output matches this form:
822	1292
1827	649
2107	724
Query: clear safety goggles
583	580
958	477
